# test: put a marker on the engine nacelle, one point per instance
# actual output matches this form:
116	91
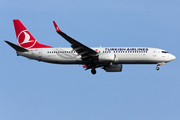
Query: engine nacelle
107	57
113	68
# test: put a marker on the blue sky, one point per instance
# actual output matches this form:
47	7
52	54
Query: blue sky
36	90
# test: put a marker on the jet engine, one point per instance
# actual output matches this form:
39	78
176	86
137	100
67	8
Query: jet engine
107	57
113	68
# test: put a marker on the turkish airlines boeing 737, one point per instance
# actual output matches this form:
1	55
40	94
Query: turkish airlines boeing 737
108	58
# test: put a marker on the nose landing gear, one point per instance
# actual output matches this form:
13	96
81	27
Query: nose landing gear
157	68
159	64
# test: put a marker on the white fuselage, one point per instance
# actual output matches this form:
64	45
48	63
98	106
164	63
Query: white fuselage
108	58
123	55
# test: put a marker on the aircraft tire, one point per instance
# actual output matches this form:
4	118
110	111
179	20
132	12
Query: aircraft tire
93	71
157	68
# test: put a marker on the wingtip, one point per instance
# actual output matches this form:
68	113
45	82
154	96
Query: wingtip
56	27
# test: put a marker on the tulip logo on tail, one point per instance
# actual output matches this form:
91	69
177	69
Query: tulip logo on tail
25	39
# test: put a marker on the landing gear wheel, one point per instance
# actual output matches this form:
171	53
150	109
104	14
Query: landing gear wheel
157	68
93	71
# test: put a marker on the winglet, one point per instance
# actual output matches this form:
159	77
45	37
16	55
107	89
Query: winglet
57	28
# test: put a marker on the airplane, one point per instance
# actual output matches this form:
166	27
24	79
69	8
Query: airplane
108	58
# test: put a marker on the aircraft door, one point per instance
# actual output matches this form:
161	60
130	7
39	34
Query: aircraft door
154	53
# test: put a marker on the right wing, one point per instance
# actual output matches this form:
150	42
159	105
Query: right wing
81	49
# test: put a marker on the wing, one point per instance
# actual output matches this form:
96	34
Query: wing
81	49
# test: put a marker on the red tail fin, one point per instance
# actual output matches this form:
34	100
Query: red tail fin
24	37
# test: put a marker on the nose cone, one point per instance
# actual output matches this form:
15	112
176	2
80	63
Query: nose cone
172	57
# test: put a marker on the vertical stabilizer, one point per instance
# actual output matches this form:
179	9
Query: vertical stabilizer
24	37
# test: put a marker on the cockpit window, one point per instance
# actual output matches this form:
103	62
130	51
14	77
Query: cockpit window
164	52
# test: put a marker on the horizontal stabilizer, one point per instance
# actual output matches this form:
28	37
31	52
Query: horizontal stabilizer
16	47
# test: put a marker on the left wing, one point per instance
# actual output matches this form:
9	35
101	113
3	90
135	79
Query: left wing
81	49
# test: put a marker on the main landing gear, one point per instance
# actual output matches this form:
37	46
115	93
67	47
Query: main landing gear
92	66
93	71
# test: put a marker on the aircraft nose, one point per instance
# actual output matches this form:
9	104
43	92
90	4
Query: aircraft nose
172	57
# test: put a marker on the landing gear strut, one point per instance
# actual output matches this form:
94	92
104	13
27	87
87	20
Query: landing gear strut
159	64
93	71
